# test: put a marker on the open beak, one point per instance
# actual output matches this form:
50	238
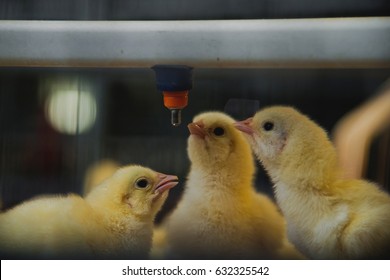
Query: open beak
166	182
197	129
245	126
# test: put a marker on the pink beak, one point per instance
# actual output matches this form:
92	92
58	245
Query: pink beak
197	129
245	126
166	182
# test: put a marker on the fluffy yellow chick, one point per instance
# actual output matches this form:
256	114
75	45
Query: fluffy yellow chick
328	217
115	220
220	215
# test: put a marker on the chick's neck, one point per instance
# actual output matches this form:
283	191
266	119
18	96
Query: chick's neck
222	181
308	167
129	234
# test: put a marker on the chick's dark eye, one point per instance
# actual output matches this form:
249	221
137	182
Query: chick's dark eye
268	126
142	183
219	131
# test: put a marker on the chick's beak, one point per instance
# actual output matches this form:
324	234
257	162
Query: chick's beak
165	182
245	126
197	129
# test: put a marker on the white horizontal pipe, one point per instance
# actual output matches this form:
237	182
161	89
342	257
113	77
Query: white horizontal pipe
339	42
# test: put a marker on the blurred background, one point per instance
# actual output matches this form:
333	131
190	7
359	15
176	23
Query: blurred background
57	122
187	9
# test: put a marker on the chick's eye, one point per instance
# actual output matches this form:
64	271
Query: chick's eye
219	131
268	126
142	183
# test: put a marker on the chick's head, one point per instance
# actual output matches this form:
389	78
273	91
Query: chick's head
215	143
267	133
284	139
136	190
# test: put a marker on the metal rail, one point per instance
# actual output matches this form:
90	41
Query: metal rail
338	43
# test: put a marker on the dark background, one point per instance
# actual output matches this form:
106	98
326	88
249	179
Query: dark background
188	9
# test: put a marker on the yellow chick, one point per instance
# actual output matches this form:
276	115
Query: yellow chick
328	217
115	220
220	215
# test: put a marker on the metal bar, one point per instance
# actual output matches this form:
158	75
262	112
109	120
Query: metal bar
339	43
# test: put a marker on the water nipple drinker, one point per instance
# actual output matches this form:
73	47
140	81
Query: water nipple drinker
175	82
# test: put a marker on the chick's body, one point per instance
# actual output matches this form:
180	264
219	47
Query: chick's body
327	216
115	220
220	216
38	226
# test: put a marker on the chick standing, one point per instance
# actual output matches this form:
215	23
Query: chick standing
328	217
220	215
115	220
